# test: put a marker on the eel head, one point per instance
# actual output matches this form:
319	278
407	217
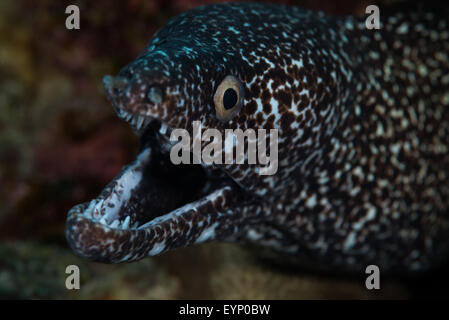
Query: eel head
153	205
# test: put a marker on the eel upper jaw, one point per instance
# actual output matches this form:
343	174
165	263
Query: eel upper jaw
139	213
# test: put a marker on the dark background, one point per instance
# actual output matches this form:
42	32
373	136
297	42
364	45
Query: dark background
61	143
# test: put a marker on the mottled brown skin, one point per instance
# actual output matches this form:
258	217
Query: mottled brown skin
363	135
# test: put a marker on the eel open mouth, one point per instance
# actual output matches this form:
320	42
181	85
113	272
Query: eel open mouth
153	205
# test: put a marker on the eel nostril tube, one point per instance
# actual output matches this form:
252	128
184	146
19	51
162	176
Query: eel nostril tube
112	84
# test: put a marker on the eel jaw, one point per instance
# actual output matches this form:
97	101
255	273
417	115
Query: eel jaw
153	206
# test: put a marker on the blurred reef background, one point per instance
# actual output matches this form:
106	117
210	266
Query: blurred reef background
61	143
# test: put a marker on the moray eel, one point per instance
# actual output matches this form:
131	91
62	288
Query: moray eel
363	122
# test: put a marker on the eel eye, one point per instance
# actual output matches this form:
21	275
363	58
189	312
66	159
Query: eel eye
228	98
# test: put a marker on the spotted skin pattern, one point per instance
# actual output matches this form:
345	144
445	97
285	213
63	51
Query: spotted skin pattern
363	135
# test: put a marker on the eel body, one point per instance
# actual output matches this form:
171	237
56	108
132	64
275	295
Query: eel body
362	118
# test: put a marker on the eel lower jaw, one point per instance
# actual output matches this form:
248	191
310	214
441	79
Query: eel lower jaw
152	206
